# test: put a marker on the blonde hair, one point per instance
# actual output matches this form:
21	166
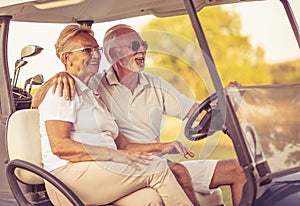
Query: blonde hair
62	44
109	36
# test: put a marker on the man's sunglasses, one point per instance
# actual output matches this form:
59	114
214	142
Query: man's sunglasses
88	50
135	45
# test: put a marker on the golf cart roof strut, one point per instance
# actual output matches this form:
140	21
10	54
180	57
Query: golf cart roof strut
207	56
292	19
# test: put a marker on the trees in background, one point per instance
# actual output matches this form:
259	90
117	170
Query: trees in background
286	72
173	49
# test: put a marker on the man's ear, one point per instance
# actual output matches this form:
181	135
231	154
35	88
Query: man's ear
112	54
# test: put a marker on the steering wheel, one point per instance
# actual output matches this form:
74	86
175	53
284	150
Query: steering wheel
211	122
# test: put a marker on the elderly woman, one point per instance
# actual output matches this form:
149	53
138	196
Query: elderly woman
81	143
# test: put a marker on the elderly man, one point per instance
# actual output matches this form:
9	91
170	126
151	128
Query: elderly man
138	102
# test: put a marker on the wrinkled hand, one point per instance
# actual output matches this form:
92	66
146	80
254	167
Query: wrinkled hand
65	83
234	84
131	158
175	147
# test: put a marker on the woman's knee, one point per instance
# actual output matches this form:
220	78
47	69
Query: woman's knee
146	196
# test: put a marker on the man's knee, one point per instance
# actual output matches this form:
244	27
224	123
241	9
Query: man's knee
235	170
238	171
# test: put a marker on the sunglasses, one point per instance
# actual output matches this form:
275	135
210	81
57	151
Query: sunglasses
135	45
88	50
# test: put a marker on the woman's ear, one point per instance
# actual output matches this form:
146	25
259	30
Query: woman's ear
64	58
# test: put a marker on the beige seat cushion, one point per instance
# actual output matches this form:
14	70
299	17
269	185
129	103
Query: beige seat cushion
24	142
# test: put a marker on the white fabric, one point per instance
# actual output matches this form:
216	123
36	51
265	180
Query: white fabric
139	115
92	123
201	172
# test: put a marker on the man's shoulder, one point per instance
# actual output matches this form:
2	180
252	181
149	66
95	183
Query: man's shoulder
153	79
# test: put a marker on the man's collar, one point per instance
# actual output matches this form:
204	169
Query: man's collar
112	78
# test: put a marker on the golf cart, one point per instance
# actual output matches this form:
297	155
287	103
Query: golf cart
267	148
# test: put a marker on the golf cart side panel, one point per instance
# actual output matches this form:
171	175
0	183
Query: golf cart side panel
6	105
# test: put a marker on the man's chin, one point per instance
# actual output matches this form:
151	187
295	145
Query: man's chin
138	68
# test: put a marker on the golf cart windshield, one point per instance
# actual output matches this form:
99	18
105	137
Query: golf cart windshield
269	120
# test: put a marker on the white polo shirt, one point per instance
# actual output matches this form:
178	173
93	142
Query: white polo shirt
139	114
92	123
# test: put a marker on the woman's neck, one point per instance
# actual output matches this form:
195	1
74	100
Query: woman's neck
84	77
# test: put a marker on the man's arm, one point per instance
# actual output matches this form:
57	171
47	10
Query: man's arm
66	86
159	149
196	105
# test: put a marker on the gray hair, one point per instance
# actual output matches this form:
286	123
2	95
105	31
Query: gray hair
108	40
62	44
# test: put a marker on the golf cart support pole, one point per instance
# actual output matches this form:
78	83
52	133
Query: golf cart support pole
292	20
247	199
207	56
7	107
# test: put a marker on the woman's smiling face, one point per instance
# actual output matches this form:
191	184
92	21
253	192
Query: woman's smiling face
85	56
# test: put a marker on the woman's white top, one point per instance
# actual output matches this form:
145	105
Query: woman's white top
92	123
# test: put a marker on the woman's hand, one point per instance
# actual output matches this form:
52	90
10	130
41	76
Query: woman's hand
175	147
131	158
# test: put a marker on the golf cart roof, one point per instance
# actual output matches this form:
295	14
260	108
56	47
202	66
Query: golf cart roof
68	11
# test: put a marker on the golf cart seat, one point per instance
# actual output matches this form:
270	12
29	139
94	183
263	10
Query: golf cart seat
26	175
24	171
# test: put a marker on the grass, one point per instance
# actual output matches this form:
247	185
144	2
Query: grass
217	146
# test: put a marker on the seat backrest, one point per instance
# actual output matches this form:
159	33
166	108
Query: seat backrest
24	142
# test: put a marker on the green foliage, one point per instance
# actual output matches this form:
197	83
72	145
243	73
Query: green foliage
287	72
174	47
